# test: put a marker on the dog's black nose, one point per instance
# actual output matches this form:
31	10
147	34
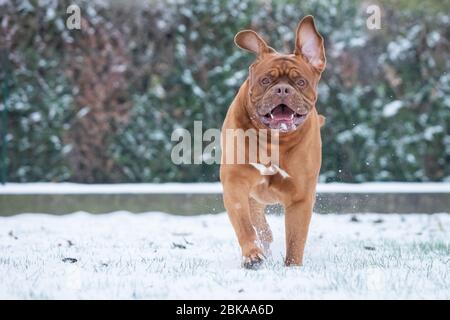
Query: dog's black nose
281	90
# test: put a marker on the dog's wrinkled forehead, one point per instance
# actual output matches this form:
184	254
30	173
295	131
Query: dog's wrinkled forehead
281	66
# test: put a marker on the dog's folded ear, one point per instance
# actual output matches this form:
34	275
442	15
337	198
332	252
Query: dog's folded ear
249	40
309	43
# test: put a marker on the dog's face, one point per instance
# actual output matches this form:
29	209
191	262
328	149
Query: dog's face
283	87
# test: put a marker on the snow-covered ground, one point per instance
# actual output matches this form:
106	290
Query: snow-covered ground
155	255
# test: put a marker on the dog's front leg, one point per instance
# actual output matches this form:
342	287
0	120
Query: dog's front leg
237	205
297	219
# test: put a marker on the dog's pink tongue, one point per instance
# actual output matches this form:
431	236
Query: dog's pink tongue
282	114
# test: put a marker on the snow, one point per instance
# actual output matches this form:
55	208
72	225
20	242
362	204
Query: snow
384	187
392	108
431	131
214	188
396	49
125	188
158	256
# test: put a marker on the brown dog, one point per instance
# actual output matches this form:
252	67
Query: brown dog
280	94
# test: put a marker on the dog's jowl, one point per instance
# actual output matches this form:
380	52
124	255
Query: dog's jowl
278	97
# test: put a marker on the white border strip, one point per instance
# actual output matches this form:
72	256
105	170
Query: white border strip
210	188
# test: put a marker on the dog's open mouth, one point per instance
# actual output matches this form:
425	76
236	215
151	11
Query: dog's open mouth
283	118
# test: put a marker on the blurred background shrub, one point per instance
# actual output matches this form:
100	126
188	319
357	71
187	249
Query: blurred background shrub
99	104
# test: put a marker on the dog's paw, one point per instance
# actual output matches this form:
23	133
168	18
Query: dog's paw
252	263
291	262
253	258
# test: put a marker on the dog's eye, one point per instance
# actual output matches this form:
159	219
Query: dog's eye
301	83
265	81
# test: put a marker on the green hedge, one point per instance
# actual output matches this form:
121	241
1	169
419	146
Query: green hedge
385	93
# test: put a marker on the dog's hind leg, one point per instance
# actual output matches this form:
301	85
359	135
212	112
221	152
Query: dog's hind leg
258	218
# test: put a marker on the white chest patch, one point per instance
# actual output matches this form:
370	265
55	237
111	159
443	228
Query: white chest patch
270	170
